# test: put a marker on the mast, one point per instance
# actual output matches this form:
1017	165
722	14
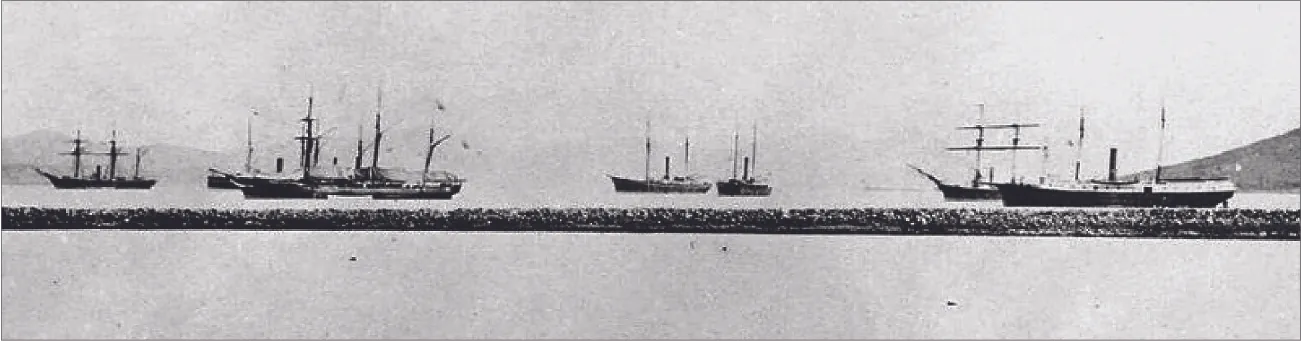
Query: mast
754	147
686	159
77	152
736	139
307	141
356	162
429	153
1160	149
248	159
112	156
648	149
139	152
980	142
379	106
1079	147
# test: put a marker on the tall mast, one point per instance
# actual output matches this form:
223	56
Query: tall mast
379	106
429	153
1079	146
139	152
980	142
686	159
112	156
248	159
307	141
356	162
1160	149
736	140
754	147
648	149
76	153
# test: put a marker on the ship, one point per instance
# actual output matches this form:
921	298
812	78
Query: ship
668	184
372	182
98	179
745	186
219	179
1198	192
981	187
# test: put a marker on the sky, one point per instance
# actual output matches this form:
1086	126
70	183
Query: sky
841	92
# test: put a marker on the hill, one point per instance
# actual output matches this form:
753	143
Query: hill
1272	164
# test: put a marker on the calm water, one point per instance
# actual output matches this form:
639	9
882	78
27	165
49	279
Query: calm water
210	284
197	197
221	284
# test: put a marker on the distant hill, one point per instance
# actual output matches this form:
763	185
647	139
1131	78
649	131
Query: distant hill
1272	164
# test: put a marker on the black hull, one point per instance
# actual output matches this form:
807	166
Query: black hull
1026	195
221	182
622	185
741	189
93	183
293	189
960	193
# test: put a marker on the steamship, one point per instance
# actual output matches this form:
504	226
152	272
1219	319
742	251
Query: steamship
1112	192
98	179
668	184
745	186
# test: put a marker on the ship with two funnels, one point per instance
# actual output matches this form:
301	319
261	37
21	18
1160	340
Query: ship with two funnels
371	182
746	185
1113	192
98	180
669	184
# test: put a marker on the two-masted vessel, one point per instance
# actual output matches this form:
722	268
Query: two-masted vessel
372	182
746	185
1113	192
668	184
99	179
982	186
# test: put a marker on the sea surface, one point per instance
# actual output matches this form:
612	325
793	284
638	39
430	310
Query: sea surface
227	284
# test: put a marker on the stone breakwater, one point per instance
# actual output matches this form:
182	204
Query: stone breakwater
1143	223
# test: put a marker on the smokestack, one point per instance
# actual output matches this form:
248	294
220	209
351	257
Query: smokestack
666	168
745	172
1111	167
98	170
991	174
336	160
280	165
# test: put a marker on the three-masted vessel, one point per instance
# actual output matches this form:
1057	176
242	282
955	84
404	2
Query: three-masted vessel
99	179
746	185
372	182
668	184
1113	192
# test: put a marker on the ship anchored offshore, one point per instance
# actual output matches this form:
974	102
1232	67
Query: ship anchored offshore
98	179
669	184
370	182
746	185
1112	192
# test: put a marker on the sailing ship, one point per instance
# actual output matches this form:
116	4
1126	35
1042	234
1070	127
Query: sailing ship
668	184
218	179
98	179
1112	192
981	187
364	182
745	185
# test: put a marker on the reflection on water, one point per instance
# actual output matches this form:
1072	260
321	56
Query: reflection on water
185	197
